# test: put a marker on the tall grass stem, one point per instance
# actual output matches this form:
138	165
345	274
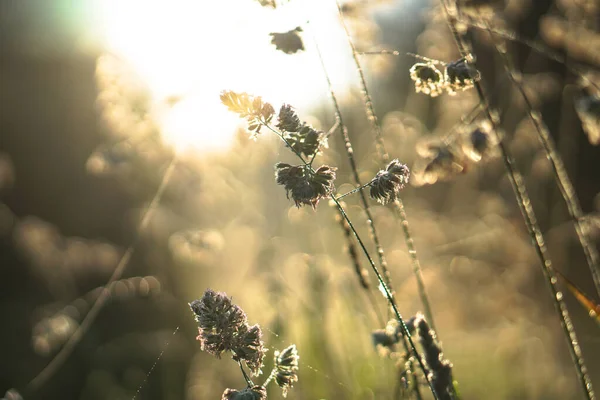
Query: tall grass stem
384	158
524	202
353	166
558	169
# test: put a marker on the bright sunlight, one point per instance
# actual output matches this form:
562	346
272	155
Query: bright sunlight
193	50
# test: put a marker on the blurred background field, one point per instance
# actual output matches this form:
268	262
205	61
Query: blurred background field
97	98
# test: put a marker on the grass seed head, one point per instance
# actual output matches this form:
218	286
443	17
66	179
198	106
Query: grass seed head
250	393
387	184
304	185
306	141
440	370
223	326
249	347
286	366
288	119
460	75
428	79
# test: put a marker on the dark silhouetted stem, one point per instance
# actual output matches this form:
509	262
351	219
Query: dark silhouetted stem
388	295
246	377
380	279
535	233
560	174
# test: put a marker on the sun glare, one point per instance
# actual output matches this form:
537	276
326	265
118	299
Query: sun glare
194	50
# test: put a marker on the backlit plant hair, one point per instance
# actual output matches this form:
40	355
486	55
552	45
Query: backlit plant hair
311	186
307	186
223	328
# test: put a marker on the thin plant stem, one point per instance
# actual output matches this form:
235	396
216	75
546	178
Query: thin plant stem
524	202
246	377
378	52
560	174
388	295
533	45
286	142
429	60
416	265
366	185
380	278
576	69
384	158
330	132
397	53
353	166
367	100
141	385
361	273
270	377
63	354
333	129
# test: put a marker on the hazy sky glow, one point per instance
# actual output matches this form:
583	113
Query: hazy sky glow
197	49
